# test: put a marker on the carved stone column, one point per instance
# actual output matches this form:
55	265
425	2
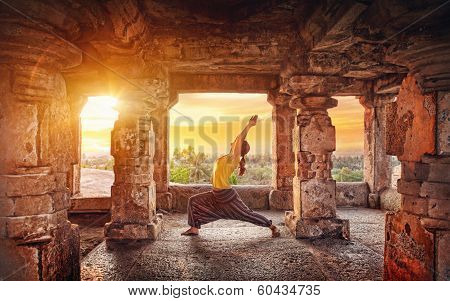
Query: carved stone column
314	190
283	121
418	236
133	194
377	167
37	242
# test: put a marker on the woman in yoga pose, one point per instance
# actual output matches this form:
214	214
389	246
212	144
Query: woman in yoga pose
223	202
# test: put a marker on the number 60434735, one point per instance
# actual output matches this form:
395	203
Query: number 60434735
298	289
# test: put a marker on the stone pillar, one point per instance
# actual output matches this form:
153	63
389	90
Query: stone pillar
377	167
418	236
133	194
160	119
77	102
314	190
37	242
283	121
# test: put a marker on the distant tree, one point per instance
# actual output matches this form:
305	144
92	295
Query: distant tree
179	174
176	154
233	179
197	166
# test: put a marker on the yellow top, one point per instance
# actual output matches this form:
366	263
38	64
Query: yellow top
223	168
225	165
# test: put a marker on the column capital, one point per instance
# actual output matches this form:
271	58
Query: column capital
275	98
313	103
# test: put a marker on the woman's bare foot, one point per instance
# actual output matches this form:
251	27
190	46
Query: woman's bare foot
275	231
191	232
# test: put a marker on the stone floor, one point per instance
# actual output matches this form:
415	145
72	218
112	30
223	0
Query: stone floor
229	250
95	183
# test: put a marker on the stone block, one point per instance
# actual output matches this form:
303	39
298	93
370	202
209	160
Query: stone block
61	200
19	127
280	200
27	226
58	218
312	228
118	231
439	173
415	205
318	136
24	185
34	205
125	141
7	206
61	181
254	196
435	190
442	256
411	171
318	198
130	203
432	224
353	194
409	248
408	187
101	204
432	172
164	200
439	209
22	261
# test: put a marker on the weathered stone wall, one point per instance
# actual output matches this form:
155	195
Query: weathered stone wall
416	236
353	194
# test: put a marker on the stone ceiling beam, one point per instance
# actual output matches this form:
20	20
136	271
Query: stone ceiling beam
330	25
388	84
241	83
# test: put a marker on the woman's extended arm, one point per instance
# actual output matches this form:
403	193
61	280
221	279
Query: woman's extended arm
237	144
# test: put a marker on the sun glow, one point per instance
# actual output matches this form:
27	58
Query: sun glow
348	119
97	120
210	121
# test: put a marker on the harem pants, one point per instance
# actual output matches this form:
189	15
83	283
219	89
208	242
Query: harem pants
210	206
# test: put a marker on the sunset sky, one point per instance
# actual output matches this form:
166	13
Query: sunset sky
210	122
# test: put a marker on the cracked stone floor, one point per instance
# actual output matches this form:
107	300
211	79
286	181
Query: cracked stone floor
230	250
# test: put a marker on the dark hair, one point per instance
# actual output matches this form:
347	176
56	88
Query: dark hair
244	150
